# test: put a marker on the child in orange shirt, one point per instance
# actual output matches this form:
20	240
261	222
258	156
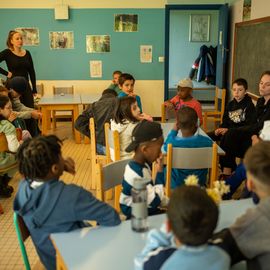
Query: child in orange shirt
184	98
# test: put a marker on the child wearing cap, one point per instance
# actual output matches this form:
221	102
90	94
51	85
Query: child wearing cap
182	242
187	122
248	238
185	98
147	140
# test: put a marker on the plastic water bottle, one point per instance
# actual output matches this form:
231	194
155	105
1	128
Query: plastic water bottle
139	210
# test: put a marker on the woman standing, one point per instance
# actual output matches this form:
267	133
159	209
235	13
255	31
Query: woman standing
19	63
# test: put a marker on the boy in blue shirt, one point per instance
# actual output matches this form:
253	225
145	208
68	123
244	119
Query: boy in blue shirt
48	205
126	84
182	242
187	123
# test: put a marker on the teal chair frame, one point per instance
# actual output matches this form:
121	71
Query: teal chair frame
22	234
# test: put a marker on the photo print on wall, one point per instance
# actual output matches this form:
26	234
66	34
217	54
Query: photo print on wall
125	23
61	40
30	35
98	43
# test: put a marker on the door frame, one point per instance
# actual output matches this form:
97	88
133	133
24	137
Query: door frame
168	9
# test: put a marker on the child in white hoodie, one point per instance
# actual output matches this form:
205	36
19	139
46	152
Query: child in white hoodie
126	117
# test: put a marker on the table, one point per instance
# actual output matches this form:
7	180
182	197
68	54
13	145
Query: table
107	247
61	103
167	127
90	98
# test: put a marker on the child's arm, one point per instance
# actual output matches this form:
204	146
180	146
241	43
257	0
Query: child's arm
150	257
87	207
168	104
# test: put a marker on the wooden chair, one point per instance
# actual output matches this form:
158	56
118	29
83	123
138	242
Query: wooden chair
64	90
167	114
112	144
215	115
22	234
4	148
40	89
111	176
191	158
95	158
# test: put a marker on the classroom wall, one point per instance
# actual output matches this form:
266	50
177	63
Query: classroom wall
72	65
259	9
182	51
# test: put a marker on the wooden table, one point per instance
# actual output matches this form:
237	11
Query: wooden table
90	98
59	103
105	248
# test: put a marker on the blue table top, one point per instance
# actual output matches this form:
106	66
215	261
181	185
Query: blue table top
115	247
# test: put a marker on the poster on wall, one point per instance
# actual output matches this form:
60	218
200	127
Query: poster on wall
199	29
246	10
146	53
61	40
30	35
125	23
98	44
95	69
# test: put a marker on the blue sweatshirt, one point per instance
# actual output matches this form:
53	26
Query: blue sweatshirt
54	207
195	141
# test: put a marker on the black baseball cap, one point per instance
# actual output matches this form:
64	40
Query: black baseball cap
145	131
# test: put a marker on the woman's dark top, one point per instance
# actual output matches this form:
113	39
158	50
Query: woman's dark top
19	66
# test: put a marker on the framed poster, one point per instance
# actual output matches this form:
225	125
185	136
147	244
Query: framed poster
199	29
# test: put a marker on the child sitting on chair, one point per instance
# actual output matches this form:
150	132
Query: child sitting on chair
239	112
147	140
187	123
7	159
183	242
184	98
248	238
126	117
48	205
126	84
115	82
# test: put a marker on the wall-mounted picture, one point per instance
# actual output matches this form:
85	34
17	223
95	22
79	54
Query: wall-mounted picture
246	10
125	23
30	35
98	44
61	40
95	69
146	53
199	30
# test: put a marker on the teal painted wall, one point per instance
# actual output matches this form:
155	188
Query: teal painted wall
73	64
182	52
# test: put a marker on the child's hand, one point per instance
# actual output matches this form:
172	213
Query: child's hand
144	116
168	104
69	165
255	139
12	117
159	163
220	131
36	115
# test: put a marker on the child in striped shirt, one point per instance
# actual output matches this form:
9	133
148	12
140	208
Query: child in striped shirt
147	140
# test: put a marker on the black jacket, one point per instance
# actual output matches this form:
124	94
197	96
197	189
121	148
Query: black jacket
238	114
102	111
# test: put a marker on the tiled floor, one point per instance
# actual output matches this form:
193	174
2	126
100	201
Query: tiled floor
10	255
